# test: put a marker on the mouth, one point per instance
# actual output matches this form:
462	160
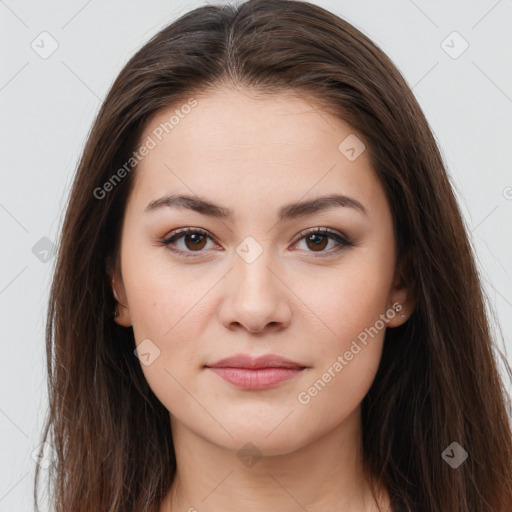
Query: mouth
263	372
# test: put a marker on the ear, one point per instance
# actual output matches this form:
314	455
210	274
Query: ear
401	299
123	312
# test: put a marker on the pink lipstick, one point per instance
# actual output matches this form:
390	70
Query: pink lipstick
255	373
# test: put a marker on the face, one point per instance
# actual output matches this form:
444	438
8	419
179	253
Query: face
254	276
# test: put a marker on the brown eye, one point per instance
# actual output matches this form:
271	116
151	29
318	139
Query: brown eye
318	242
197	241
194	240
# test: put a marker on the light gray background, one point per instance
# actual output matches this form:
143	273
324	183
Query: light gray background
48	105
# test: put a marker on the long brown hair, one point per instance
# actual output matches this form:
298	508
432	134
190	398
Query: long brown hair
438	381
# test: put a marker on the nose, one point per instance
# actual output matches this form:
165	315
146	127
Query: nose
255	296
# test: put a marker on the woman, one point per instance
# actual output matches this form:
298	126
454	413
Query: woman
265	298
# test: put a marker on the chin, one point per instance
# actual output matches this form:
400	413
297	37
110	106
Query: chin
261	446
261	439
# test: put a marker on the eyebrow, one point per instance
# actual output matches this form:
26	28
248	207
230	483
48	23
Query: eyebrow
287	212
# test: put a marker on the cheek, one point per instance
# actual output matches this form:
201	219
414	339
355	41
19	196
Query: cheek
346	364
162	328
161	295
165	314
342	307
350	335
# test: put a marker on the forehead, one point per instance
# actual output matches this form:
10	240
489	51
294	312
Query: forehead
242	122
235	146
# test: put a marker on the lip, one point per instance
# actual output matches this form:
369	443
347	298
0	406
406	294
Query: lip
262	372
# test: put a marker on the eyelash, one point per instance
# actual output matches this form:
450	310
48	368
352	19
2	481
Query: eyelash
343	241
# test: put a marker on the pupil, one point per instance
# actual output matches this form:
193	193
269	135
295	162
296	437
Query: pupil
318	240
195	239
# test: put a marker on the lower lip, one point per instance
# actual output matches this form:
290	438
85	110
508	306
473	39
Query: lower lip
260	378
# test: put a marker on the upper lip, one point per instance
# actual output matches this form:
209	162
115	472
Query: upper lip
246	361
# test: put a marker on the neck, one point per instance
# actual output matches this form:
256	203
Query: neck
327	474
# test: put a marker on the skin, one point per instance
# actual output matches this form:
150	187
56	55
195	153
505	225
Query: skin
254	154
